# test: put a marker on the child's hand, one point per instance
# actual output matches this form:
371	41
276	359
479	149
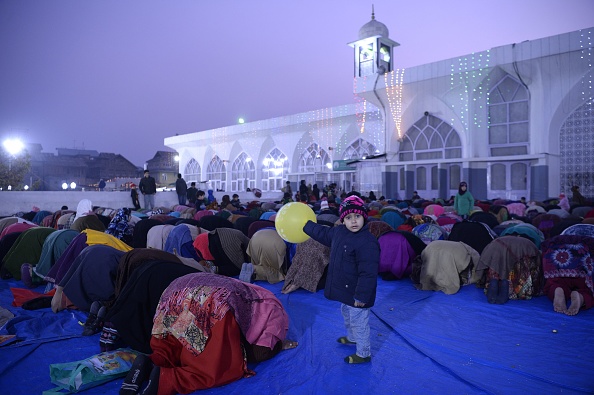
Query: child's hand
359	304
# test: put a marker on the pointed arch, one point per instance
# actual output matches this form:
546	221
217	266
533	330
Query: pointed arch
430	138
508	112
217	173
243	173
358	149
275	168
192	172
314	159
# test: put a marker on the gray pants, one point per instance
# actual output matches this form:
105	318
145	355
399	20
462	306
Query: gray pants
149	201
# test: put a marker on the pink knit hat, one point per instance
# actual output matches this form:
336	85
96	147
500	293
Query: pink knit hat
352	204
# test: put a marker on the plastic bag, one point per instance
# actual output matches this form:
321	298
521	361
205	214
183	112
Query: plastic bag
93	371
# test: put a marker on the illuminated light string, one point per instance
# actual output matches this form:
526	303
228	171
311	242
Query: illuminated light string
586	55
468	77
378	130
338	146
368	116
394	93
361	106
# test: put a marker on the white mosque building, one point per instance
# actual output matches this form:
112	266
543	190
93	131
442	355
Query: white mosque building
513	121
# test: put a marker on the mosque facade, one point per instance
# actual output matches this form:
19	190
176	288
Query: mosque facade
513	121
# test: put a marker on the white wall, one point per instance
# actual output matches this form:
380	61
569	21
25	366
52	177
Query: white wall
12	202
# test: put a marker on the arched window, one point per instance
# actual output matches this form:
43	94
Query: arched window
274	170
243	173
430	138
508	118
192	171
314	160
217	174
358	149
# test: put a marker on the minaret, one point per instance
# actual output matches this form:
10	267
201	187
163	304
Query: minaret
373	49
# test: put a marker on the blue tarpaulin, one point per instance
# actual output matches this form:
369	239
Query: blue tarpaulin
423	342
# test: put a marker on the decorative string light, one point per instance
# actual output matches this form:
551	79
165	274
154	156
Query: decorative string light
468	77
361	105
586	55
394	93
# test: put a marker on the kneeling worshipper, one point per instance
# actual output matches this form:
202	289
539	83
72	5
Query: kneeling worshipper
121	227
91	276
26	249
129	320
308	268
447	266
567	266
206	328
85	218
268	255
513	269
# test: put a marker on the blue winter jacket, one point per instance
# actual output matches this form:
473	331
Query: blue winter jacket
354	262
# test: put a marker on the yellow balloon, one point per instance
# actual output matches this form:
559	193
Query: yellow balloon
291	219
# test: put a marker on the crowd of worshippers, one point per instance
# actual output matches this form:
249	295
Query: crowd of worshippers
155	262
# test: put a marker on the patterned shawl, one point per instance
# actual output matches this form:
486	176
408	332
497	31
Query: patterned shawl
580	230
307	267
569	256
191	306
119	226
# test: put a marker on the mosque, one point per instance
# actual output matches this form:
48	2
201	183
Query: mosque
513	121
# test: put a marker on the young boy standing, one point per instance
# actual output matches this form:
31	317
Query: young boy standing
352	272
134	196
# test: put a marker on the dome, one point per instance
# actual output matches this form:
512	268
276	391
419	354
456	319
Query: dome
373	28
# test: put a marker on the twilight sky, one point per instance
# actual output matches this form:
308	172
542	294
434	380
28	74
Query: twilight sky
120	76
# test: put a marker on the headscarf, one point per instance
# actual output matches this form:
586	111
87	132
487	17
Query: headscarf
85	207
267	252
462	184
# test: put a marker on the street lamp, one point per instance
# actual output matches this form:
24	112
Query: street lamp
176	159
65	185
13	147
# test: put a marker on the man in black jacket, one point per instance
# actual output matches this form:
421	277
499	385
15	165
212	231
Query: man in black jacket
181	188
148	188
192	193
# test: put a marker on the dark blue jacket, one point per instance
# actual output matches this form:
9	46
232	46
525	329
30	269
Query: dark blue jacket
354	263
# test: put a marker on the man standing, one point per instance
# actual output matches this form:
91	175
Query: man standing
181	188
192	194
148	188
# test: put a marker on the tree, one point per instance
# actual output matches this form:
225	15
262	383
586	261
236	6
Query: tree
13	170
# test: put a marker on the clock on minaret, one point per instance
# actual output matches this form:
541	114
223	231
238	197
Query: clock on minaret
373	49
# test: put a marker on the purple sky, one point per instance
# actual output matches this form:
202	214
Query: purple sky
120	76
